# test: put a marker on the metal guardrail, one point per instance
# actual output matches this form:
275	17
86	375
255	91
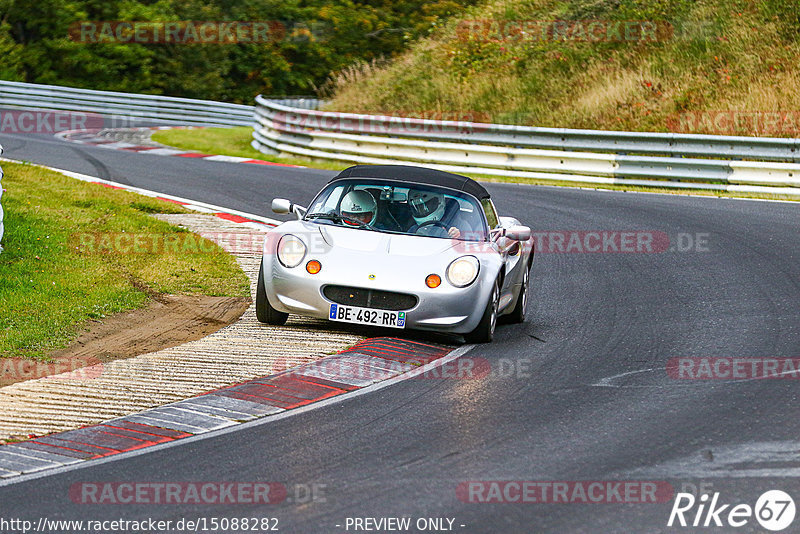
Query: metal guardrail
301	102
128	106
600	157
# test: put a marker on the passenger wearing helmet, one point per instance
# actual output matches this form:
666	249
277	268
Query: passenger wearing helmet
430	209
359	206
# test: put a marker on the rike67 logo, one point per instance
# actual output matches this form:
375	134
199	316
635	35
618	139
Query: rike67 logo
774	510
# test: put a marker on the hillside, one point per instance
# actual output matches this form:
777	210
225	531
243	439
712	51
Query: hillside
709	66
284	47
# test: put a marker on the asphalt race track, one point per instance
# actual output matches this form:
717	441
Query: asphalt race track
577	393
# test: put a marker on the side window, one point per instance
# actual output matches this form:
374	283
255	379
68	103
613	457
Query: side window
491	214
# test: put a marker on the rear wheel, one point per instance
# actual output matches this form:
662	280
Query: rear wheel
264	310
484	332
518	314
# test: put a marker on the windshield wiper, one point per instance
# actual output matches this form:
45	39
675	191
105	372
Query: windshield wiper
327	216
335	217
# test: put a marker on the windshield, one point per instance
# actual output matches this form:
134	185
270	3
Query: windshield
400	207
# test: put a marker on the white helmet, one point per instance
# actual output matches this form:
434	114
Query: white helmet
359	206
426	205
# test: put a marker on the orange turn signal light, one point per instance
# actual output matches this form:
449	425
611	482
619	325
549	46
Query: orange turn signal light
313	267
433	280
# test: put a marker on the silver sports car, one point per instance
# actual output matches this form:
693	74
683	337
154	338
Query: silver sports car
398	247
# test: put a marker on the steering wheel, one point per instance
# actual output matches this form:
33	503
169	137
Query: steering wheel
440	224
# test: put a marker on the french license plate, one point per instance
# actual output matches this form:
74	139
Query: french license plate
352	314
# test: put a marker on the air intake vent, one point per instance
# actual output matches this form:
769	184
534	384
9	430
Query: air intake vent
370	298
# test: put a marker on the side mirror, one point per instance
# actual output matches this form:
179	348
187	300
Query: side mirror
281	206
518	233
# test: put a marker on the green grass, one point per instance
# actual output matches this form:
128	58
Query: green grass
50	284
229	142
734	55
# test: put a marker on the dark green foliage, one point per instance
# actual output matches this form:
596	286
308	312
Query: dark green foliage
322	36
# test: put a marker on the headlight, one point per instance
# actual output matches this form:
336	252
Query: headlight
291	250
463	271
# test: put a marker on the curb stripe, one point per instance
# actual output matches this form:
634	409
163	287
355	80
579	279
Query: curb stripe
232	217
91	137
114	187
262	162
163	433
7	478
171	200
229	406
264	223
193	155
52	449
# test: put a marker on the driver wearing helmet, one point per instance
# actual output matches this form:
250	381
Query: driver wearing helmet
359	207
428	209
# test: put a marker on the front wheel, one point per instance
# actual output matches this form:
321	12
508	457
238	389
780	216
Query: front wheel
265	313
484	332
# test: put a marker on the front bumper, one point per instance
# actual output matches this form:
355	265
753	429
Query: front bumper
443	309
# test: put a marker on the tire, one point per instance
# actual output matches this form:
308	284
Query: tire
265	313
484	332
518	314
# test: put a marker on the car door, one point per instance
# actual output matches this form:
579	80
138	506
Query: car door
509	250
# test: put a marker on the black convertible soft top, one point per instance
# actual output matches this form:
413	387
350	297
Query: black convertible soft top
420	175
